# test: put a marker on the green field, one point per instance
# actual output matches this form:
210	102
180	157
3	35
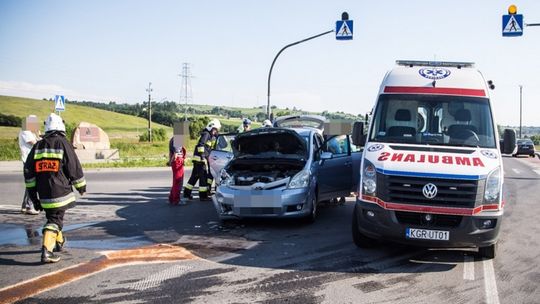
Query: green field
123	130
115	124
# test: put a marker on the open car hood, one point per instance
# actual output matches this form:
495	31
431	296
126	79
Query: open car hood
270	143
301	121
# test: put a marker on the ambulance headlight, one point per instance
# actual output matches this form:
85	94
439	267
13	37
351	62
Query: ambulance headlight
225	179
369	178
493	186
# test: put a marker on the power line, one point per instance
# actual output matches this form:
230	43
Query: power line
186	93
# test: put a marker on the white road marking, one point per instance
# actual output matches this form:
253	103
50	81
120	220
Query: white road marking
516	171
490	283
537	171
468	268
155	280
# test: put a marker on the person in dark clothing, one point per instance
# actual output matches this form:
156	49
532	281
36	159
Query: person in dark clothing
200	162
51	170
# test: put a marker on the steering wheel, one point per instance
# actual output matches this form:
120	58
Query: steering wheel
468	136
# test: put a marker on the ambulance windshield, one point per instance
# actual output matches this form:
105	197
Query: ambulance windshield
434	120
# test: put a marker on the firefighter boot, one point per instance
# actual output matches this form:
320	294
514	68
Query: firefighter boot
60	242
187	193
203	196
49	242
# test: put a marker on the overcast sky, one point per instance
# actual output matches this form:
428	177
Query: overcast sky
109	50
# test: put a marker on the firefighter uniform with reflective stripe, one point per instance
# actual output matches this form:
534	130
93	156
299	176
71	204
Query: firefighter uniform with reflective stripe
200	166
51	170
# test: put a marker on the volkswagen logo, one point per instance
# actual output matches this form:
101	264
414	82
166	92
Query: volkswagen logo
429	190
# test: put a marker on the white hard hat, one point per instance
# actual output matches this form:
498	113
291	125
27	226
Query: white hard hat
213	124
267	123
54	123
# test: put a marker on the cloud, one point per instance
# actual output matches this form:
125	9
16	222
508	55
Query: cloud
38	91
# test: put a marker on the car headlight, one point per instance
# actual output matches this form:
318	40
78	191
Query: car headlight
493	186
225	178
369	178
300	180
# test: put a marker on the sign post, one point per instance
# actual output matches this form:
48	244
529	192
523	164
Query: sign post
59	103
344	28
512	24
343	32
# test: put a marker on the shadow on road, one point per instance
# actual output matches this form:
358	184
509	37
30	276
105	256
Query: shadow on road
288	244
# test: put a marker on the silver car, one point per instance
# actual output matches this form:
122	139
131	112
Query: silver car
283	172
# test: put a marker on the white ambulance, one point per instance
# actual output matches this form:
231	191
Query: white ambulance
432	172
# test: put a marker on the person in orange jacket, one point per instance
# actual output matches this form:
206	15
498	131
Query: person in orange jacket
176	160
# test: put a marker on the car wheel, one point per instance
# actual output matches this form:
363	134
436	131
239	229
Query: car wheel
313	211
488	252
532	155
514	155
359	239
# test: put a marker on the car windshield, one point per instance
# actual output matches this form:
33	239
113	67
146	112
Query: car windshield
434	120
524	142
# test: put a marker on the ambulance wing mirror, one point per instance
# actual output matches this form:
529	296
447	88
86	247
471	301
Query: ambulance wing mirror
509	141
358	135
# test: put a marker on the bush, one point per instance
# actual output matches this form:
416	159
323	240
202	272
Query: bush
157	135
10	120
196	125
9	149
70	128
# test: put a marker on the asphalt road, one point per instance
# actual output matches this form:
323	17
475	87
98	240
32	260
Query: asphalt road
252	261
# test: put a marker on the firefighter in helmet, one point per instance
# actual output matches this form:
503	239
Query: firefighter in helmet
51	170
200	161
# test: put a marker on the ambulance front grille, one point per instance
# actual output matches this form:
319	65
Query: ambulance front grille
450	192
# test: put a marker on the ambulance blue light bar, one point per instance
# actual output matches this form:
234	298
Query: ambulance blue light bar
412	63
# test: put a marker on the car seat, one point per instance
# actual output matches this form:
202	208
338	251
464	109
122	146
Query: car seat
458	132
403	116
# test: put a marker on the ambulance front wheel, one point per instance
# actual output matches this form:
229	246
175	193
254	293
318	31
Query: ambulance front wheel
359	239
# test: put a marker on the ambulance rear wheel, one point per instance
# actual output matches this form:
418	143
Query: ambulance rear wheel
359	239
488	252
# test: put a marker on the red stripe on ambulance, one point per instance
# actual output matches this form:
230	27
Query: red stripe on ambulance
431	90
429	209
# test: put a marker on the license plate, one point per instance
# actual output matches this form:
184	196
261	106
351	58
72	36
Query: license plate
424	234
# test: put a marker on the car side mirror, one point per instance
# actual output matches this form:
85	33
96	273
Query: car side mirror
358	135
326	155
509	141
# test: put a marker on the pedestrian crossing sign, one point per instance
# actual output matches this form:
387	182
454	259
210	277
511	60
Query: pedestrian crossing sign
512	25
344	30
59	103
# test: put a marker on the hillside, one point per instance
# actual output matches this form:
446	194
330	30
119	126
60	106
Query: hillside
115	124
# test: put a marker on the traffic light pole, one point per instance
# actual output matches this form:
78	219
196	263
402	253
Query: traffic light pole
275	58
